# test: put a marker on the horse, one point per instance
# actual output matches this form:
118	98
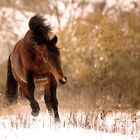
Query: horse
35	57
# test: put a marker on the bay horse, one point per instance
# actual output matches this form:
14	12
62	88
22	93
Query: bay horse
35	57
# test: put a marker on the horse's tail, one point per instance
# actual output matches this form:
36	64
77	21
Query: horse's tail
11	85
39	28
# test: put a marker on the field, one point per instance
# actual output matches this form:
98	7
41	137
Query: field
76	122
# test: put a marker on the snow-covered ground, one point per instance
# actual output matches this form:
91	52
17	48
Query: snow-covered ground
24	127
62	133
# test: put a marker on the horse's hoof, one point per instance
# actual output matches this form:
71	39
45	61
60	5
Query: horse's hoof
35	114
57	120
50	112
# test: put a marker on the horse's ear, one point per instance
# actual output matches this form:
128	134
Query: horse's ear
54	39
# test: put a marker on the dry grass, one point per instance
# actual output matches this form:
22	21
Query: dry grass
75	111
124	123
112	121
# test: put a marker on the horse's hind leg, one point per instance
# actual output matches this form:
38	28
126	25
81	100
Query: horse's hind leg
11	85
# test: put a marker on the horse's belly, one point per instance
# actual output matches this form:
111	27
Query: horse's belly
17	65
40	83
18	73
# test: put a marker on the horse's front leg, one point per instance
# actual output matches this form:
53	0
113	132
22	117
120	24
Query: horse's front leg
47	98
50	97
31	87
51	102
54	101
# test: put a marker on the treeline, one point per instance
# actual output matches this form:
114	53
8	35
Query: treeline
100	50
101	56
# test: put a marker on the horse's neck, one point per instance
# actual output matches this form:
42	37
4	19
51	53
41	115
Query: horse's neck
28	38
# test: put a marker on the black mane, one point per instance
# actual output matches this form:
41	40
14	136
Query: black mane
40	30
40	34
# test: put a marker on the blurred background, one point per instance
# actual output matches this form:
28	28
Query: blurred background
99	42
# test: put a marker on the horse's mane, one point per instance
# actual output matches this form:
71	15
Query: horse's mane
39	33
40	30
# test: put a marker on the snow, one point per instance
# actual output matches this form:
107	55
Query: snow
63	133
23	127
59	133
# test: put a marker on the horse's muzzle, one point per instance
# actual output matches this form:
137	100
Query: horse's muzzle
63	80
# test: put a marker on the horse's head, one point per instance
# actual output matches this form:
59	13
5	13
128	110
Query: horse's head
51	58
